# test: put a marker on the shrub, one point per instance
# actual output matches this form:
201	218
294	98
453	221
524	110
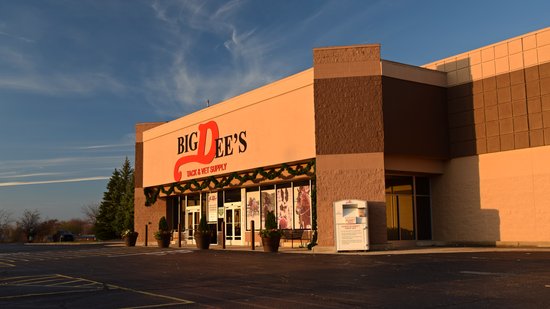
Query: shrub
271	229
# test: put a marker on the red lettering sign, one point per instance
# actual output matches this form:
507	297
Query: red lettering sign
201	156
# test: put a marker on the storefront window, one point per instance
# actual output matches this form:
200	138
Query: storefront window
267	201
232	196
302	205
291	203
408	213
285	213
252	208
193	200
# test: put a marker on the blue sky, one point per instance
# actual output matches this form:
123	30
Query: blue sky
75	76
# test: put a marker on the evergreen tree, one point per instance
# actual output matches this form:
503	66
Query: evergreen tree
116	211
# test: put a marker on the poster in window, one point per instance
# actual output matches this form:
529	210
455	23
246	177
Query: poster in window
253	209
213	207
284	206
268	203
302	206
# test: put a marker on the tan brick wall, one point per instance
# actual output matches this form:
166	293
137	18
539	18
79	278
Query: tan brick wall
517	53
349	135
348	115
147	215
347	61
144	215
504	112
351	176
497	95
499	197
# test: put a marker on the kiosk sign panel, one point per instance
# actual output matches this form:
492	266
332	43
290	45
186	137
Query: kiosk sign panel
351	224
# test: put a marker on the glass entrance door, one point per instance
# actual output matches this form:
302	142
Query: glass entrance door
192	220
233	231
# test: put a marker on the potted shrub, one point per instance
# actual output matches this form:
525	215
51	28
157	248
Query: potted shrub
129	237
202	234
271	235
163	234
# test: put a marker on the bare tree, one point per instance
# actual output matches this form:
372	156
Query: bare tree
29	223
5	224
91	211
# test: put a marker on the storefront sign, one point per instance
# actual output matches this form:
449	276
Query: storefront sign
194	150
265	127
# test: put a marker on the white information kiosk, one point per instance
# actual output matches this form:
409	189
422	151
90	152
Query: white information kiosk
351	224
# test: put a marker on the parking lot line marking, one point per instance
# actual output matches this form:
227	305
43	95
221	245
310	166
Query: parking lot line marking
152	253
13	278
43	294
481	273
31	279
155	306
41	281
112	286
19	260
91	283
68	282
180	300
87	287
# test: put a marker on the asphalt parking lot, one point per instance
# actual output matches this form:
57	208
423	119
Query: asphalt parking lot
98	276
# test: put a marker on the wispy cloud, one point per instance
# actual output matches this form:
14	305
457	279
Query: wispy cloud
24	69
93	147
56	170
7	166
17	37
14	175
15	59
25	183
183	86
59	84
227	8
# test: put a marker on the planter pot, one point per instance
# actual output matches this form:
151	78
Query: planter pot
271	244
164	241
130	239
202	240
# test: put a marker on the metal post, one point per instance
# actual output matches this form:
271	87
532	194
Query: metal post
179	221
146	234
253	235
223	234
179	234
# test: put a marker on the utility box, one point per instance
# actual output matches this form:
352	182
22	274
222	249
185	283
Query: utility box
351	225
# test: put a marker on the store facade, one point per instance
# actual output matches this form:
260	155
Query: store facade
422	145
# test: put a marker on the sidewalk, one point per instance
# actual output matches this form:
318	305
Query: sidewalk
417	250
304	250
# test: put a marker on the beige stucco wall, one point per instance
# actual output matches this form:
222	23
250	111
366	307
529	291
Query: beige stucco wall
278	120
500	197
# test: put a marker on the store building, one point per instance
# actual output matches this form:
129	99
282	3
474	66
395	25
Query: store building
457	150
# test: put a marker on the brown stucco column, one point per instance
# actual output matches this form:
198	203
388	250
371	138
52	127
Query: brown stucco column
143	215
349	136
